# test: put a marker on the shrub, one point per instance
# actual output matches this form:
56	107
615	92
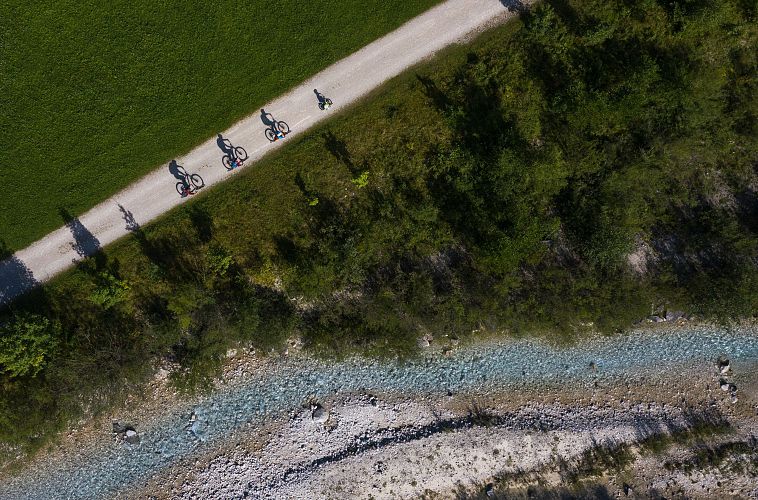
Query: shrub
27	343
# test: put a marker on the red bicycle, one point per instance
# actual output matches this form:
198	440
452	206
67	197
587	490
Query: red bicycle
191	184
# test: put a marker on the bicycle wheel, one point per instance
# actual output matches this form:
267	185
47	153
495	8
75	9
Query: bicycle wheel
226	160
283	127
270	135
241	153
180	189
197	181
328	102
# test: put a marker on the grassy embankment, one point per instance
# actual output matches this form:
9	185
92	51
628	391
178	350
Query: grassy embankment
503	186
95	95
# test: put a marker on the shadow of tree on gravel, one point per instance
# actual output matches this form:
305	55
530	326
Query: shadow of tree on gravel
130	222
15	278
85	243
514	5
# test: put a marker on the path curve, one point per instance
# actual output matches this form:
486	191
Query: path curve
345	82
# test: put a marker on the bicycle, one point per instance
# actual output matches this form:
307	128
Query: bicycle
277	131
324	102
233	163
191	184
235	157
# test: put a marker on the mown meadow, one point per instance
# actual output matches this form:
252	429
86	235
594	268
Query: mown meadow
575	170
96	94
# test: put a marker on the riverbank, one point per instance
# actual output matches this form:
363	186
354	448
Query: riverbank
296	426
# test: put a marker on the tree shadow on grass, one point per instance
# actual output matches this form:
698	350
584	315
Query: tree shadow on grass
338	149
202	222
306	190
476	116
156	252
439	99
164	251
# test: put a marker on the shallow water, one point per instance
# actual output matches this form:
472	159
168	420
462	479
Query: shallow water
293	381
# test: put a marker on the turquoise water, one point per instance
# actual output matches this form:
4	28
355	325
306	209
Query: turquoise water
294	380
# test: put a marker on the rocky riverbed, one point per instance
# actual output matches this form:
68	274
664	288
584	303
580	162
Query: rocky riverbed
492	417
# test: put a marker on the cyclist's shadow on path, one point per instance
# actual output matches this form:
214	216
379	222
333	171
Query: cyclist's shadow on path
177	170
267	119
225	145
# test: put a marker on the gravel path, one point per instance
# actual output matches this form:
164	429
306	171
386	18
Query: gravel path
262	401
345	82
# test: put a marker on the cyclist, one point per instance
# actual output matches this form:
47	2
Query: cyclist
323	102
186	188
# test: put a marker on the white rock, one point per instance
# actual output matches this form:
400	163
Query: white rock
319	414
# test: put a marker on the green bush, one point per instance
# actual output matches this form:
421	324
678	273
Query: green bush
110	291
27	344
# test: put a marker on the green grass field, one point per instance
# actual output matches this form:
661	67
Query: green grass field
94	95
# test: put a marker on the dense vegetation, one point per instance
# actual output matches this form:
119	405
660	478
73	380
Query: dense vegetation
96	94
581	165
